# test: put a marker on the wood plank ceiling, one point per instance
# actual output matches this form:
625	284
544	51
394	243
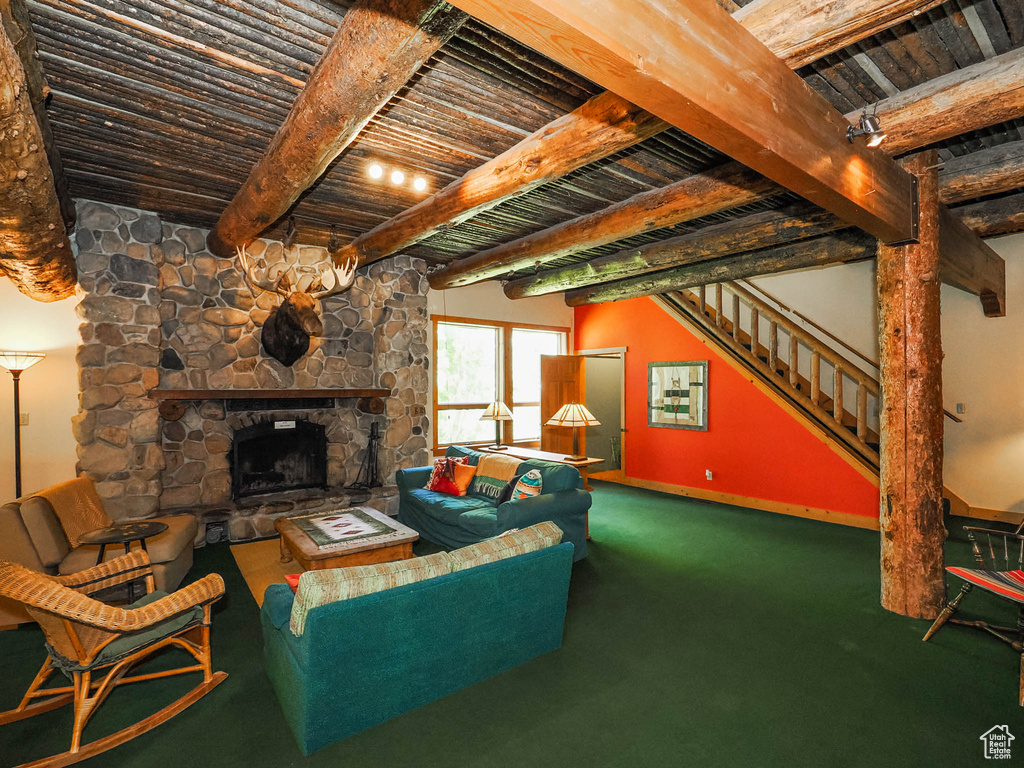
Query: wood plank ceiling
167	104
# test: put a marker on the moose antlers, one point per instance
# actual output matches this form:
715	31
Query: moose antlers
305	277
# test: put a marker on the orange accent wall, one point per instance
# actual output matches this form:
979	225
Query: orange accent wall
753	447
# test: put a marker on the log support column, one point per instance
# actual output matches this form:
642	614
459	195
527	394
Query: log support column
912	532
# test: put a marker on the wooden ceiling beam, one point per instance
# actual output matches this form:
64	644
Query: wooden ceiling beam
974	101
492	183
988	171
35	252
966	262
602	126
973	266
378	47
805	254
780	25
754	232
987	176
992	218
983	94
692	65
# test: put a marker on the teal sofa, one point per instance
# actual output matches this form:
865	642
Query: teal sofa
457	521
365	660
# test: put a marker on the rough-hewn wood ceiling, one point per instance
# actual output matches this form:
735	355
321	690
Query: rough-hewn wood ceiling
167	104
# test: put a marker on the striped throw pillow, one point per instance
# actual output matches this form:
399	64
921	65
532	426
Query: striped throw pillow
529	485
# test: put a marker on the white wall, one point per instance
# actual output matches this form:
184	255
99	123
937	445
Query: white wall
49	390
486	301
983	366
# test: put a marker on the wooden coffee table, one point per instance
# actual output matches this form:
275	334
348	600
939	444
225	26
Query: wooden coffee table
296	543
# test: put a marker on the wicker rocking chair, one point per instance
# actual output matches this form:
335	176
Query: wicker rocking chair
1005	553
95	645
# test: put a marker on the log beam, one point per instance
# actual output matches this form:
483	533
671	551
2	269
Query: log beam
378	47
18	25
910	373
696	68
992	218
983	94
780	26
35	252
976	101
971	265
967	262
749	233
986	172
602	126
806	254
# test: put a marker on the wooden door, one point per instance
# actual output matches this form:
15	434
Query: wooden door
561	382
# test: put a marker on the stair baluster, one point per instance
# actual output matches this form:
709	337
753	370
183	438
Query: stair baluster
762	355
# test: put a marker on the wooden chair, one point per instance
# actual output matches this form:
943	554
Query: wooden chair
1005	550
95	645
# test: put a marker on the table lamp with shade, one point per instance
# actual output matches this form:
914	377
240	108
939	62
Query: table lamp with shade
497	412
16	362
573	415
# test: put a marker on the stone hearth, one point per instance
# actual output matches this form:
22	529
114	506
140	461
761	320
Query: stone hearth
160	310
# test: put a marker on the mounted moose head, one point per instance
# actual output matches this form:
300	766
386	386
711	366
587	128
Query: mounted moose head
287	331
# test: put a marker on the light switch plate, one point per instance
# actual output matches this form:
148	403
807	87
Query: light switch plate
23	420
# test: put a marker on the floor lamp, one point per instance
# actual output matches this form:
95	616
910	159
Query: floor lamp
16	362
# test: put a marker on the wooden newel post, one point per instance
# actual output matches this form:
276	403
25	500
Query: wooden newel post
910	347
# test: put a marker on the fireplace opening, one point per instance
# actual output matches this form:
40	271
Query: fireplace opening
276	456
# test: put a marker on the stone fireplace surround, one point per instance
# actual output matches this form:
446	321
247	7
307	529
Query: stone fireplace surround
159	310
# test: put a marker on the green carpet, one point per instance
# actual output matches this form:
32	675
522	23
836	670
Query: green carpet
697	634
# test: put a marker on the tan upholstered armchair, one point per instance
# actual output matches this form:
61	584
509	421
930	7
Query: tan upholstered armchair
41	531
96	645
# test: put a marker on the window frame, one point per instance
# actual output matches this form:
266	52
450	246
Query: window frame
504	374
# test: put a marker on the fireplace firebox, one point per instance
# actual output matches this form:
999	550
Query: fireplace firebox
275	456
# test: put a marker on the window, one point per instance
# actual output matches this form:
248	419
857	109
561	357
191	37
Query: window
477	363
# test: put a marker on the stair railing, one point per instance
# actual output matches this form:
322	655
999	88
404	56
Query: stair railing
776	347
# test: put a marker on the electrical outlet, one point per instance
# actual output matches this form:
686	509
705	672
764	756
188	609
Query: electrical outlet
707	473
961	407
23	420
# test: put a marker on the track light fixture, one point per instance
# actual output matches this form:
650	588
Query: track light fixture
398	176
869	126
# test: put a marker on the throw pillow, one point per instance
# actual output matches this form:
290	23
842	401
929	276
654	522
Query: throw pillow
529	485
442	477
506	492
464	474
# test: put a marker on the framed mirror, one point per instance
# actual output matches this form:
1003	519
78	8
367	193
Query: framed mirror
677	394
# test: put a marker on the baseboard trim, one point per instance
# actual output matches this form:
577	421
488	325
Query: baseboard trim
960	508
765	505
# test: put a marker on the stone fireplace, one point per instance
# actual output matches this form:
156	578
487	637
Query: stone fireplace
161	312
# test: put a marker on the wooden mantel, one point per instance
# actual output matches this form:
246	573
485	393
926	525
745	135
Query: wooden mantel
172	409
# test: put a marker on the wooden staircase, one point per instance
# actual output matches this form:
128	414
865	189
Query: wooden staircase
824	385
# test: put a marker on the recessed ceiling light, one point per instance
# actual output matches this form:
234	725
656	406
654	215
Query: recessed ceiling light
419	183
397	177
375	171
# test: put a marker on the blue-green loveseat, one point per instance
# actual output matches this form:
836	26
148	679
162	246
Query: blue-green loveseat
361	661
457	521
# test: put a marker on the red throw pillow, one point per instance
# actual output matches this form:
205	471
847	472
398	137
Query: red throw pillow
293	581
442	478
